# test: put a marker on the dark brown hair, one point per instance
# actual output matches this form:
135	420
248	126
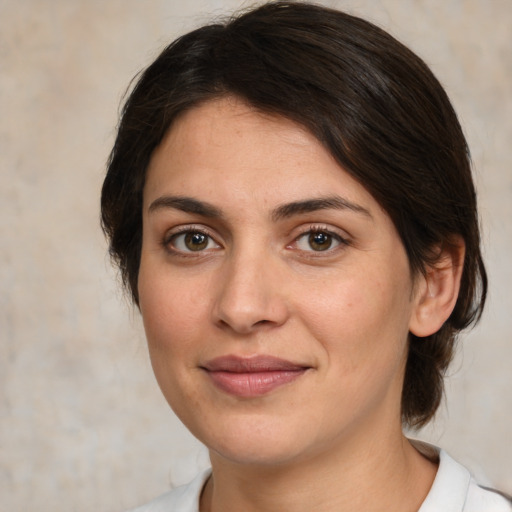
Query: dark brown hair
374	105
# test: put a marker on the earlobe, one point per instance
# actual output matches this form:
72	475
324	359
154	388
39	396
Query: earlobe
437	290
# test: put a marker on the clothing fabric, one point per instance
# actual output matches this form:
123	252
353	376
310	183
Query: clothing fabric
453	490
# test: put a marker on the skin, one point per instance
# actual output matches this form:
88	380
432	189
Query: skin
258	285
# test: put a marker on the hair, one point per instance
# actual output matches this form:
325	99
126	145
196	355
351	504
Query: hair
373	104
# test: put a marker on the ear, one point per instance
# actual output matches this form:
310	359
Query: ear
436	290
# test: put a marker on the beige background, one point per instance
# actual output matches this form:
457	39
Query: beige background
82	424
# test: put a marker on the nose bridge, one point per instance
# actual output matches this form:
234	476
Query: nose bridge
249	291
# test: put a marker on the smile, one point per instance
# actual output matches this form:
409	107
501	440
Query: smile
252	377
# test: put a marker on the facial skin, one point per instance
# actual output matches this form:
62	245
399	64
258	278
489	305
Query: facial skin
257	284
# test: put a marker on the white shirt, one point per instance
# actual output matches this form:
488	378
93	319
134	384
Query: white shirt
453	490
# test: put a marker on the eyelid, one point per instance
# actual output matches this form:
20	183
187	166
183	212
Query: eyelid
323	228
174	232
343	239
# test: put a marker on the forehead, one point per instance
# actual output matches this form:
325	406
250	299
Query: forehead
224	127
228	142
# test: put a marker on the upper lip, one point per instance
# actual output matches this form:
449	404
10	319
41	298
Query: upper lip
261	363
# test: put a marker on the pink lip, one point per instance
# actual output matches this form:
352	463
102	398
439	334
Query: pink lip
252	377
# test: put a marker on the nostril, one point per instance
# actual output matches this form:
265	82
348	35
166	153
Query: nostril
243	328
244	308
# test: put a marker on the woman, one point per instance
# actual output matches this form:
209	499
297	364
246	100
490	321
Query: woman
290	202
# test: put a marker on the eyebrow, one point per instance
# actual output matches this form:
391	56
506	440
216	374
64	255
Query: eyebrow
204	209
312	205
187	205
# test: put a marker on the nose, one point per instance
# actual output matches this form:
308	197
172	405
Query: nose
250	295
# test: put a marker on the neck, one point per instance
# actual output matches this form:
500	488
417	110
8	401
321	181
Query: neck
385	474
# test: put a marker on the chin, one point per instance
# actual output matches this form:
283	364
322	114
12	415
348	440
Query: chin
266	454
258	441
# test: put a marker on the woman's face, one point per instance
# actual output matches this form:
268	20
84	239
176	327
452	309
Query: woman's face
275	292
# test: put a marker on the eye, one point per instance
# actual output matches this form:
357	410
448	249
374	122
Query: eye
318	241
191	241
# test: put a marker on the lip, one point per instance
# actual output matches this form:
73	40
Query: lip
254	376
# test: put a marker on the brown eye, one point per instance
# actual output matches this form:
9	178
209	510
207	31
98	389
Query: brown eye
196	241
192	241
320	241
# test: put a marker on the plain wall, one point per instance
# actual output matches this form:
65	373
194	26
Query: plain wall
83	426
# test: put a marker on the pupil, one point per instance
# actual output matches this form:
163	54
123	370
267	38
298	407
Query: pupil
196	241
320	241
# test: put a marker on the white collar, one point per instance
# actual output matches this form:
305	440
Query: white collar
450	488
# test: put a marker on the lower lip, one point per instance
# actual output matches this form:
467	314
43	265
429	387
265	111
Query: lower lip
253	384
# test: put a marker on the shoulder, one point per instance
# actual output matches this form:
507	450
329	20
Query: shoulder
455	490
184	498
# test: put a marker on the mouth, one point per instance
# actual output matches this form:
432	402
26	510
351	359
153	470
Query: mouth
252	377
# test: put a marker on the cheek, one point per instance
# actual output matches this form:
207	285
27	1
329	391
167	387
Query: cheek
171	315
361	322
173	318
168	302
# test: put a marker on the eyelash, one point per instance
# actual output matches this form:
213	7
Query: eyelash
318	229
170	238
